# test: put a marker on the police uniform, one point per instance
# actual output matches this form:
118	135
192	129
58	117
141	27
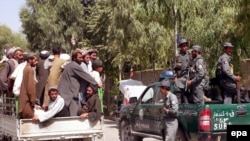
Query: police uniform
197	77
227	78
181	71
171	122
182	61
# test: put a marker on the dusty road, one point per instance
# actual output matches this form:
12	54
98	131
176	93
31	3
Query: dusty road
111	132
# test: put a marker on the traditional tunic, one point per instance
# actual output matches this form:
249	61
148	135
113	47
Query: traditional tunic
54	77
85	68
53	108
69	86
27	95
7	70
42	75
94	108
96	76
17	75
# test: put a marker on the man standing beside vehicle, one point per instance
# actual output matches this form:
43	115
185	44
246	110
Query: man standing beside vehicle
171	109
225	73
197	75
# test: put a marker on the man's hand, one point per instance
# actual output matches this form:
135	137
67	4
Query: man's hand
35	118
85	107
175	79
45	107
189	83
99	85
84	115
237	78
165	109
37	107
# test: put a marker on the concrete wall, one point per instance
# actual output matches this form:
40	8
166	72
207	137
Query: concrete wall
145	76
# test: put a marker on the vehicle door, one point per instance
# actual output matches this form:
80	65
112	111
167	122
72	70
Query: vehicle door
157	113
141	115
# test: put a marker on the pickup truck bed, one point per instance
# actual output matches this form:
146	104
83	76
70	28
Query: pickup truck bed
60	128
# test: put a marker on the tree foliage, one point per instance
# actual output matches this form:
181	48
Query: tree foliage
209	24
243	26
138	31
47	23
8	38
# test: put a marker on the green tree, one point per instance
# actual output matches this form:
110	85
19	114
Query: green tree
209	24
8	38
47	23
137	31
243	26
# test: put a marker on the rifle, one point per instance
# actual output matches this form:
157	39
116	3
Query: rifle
238	86
186	85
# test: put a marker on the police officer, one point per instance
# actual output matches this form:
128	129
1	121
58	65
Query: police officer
182	62
171	110
197	74
183	59
227	78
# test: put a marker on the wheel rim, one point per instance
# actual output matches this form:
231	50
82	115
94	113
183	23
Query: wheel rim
126	133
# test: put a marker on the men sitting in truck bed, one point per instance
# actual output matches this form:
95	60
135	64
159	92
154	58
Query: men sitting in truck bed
70	81
56	107
91	109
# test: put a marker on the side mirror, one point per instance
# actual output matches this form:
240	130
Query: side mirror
132	100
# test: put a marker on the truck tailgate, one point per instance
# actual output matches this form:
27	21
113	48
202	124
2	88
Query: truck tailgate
229	114
59	128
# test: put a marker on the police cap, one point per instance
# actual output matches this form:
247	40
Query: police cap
196	48
183	41
165	83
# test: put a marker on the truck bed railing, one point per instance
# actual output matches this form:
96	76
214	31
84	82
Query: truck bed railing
8	105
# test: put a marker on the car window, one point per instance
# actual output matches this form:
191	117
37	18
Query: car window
148	96
159	96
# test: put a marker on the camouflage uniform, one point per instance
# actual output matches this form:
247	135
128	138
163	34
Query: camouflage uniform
182	64
171	122
227	78
181	71
197	77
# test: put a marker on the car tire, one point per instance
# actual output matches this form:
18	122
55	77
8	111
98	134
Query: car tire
125	132
180	135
